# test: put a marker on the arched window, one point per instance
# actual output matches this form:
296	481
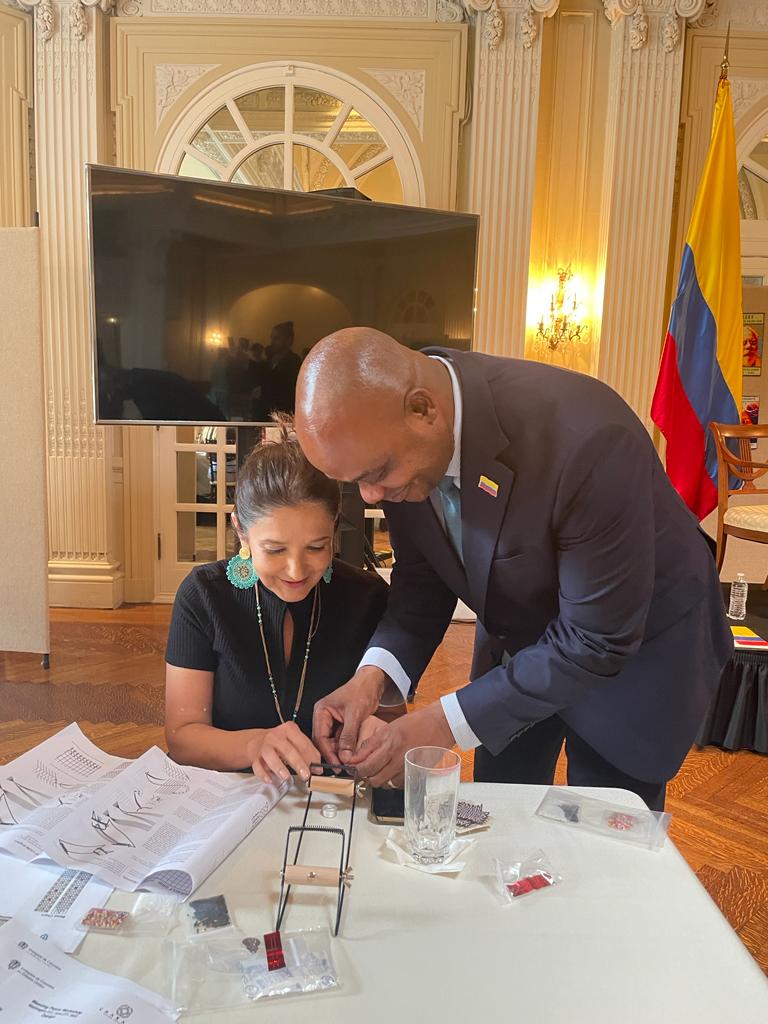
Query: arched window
299	128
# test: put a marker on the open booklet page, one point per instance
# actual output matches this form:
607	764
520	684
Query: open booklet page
148	823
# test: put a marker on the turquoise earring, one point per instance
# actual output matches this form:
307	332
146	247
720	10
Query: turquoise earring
328	574
240	571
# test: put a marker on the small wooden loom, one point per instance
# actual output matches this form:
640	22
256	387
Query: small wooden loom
323	778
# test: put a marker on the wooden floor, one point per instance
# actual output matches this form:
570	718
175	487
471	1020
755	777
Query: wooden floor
107	674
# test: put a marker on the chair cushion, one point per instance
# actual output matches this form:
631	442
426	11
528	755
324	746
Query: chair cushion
747	517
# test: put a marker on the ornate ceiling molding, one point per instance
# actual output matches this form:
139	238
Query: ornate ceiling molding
380	10
407	87
410	10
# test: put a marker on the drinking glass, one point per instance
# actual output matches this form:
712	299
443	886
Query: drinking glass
431	792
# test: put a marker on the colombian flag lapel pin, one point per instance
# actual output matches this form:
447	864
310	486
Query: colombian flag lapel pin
489	486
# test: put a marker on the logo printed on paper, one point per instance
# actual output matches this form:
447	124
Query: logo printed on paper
489	486
118	1015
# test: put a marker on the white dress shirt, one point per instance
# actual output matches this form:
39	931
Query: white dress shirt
385	660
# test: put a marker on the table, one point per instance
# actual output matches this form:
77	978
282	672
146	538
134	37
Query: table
738	716
629	936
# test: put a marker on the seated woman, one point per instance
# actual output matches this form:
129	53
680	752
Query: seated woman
255	641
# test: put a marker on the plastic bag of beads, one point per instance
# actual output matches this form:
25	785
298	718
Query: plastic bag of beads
209	916
220	973
291	964
206	972
153	913
107	921
637	825
518	878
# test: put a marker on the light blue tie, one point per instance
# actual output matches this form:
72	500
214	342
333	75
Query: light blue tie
450	496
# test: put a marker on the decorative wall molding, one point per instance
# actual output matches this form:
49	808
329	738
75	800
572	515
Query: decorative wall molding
637	9
529	29
638	32
493	31
170	82
51	16
411	10
407	86
638	179
16	97
708	16
742	14
747	198
71	130
745	92
491	14
671	33
78	22
450	11
501	166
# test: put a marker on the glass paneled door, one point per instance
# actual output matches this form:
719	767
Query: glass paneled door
196	472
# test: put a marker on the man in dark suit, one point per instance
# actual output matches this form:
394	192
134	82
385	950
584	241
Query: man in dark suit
536	496
275	377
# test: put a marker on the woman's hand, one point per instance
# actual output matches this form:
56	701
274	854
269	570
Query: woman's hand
275	751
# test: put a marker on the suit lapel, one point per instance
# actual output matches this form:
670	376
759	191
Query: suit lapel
419	519
483	446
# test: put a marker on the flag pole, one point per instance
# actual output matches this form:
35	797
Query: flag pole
724	64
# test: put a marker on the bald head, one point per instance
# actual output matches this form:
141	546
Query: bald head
357	365
375	412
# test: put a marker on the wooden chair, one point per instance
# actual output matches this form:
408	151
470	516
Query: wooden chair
750	522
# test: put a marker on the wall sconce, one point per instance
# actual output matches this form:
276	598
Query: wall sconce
563	324
216	339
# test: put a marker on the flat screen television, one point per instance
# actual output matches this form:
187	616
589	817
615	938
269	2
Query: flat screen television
208	295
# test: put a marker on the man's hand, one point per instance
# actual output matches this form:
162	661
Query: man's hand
380	755
338	717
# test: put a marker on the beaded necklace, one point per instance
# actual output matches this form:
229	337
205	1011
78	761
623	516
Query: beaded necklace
313	624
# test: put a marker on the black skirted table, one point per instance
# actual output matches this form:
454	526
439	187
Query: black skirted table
738	718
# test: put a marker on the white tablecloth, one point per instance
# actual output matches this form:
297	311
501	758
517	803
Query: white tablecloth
629	937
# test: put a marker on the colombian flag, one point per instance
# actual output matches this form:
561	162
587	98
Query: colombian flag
700	374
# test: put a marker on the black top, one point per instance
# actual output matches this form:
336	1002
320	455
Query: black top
215	628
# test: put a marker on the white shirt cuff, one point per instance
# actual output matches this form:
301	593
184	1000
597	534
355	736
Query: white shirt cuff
459	726
389	664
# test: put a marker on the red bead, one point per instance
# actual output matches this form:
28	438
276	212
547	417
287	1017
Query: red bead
622	822
528	884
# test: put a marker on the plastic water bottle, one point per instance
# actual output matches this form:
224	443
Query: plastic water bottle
737	609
